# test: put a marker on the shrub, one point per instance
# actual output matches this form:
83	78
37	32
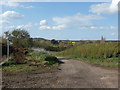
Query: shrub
8	63
37	56
42	59
19	55
52	48
51	60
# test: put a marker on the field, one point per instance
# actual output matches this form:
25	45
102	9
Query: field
106	53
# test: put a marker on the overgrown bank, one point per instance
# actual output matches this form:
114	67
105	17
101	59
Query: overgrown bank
33	61
106	54
21	57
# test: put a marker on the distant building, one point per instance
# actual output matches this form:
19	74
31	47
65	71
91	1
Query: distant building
102	39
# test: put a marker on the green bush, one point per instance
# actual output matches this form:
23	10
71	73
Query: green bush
42	58
9	63
51	60
52	48
28	51
37	56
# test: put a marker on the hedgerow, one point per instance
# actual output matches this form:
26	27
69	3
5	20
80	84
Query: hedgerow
97	51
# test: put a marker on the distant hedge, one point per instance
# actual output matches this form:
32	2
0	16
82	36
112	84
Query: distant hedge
52	48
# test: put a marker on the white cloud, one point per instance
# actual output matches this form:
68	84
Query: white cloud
43	22
4	22
29	6
60	0
11	3
62	20
77	18
9	15
69	21
25	26
22	0
11	27
57	27
114	6
107	8
43	26
96	27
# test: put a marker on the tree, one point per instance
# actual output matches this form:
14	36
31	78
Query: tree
20	42
53	41
20	34
21	38
7	34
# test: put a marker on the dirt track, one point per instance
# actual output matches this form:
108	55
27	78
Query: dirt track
70	74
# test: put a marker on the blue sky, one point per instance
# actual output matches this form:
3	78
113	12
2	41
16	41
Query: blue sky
62	20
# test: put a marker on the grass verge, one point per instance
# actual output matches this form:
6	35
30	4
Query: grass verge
108	62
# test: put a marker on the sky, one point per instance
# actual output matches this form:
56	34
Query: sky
62	20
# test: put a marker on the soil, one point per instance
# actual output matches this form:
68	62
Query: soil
70	74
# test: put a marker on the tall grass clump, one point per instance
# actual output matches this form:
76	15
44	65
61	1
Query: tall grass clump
42	59
96	51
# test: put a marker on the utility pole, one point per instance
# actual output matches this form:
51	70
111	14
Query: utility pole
7	35
8	47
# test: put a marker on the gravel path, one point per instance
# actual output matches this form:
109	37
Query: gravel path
70	74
